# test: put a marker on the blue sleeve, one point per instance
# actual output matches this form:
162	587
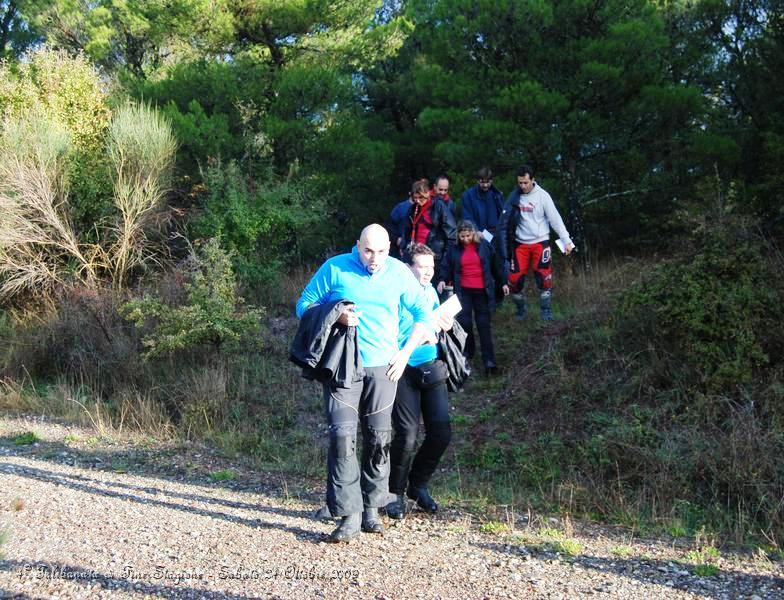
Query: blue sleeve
400	211
414	299
468	207
317	291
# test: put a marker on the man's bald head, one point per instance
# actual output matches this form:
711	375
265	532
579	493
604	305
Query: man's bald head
373	247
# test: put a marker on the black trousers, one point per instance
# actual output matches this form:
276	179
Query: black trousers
411	403
349	488
476	308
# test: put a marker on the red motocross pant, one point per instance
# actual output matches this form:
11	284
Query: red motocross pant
531	256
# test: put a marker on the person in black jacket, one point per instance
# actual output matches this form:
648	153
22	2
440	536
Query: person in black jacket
475	268
429	221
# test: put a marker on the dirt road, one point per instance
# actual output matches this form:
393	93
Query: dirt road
90	517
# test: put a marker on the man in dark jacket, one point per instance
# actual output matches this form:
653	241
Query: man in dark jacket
397	225
441	190
482	204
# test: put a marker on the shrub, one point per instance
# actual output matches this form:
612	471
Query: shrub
38	245
264	222
67	91
141	149
710	312
85	342
41	250
212	314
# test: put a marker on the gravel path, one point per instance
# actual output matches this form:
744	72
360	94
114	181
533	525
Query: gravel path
91	518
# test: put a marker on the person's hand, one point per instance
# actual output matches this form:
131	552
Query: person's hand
397	365
349	317
430	338
569	249
445	322
505	288
440	287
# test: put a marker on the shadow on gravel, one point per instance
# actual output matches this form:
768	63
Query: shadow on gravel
83	484
142	463
679	576
159	583
12	595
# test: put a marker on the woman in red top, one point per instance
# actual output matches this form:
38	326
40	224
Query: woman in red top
475	268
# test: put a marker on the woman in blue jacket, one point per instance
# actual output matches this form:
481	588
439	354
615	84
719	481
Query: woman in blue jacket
475	268
422	394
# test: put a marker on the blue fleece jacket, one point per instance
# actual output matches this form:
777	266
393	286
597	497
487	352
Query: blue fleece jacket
377	298
426	352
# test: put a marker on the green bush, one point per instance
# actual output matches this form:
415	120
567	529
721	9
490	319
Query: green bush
68	91
212	314
264	222
712	313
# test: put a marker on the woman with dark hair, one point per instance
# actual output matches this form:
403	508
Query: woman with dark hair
421	395
429	221
475	268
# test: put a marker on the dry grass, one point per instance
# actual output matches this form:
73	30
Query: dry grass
202	398
130	410
142	149
37	240
39	248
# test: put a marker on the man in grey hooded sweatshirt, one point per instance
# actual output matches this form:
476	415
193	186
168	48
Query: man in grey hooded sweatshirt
524	230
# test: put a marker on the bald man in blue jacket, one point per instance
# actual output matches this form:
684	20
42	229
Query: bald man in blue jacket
378	286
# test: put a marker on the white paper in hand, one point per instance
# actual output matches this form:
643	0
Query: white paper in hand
449	308
487	235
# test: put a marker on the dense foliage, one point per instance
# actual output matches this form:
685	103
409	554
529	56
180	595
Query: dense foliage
211	314
710	312
268	133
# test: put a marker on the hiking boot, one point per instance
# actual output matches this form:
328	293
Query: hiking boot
491	369
323	514
371	521
397	508
347	530
422	499
520	305
545	300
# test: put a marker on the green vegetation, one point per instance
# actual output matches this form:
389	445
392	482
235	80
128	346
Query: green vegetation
548	539
493	527
704	560
569	547
160	162
210	315
706	570
26	439
4	535
224	475
621	551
